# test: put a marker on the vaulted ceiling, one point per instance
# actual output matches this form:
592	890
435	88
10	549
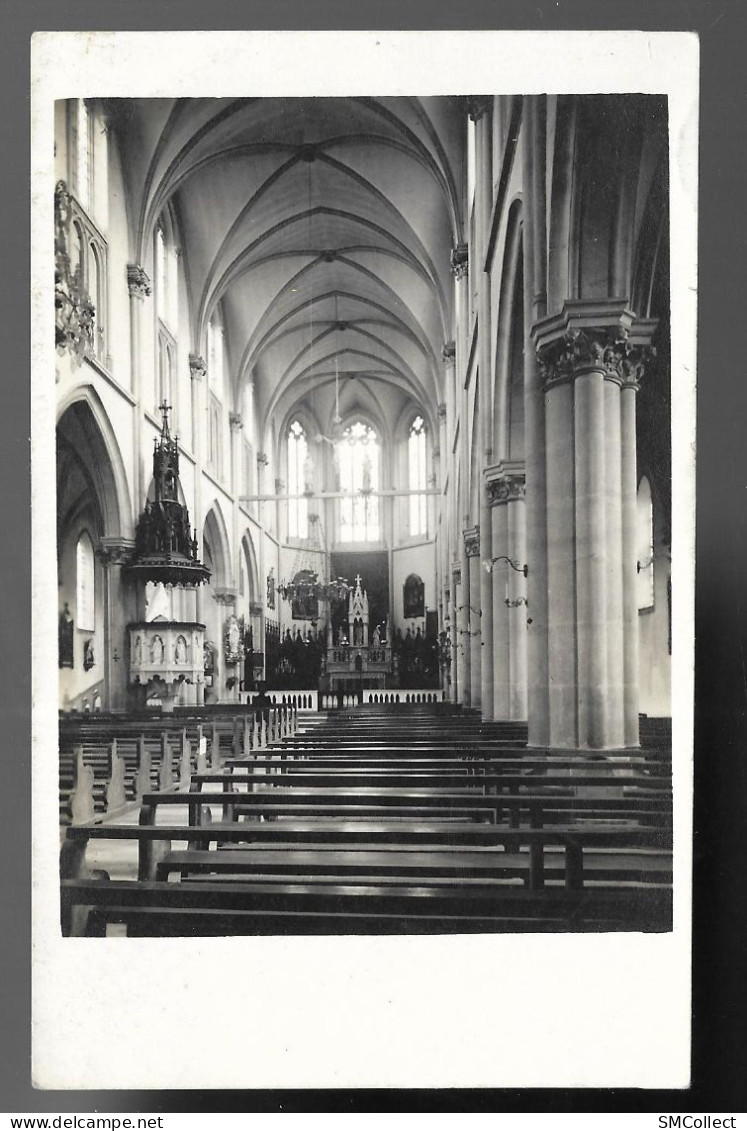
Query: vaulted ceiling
321	228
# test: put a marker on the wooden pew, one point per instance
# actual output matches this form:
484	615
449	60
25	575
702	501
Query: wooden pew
251	908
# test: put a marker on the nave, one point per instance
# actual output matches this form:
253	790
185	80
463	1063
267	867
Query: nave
410	819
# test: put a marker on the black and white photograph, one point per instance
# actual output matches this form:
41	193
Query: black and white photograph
372	520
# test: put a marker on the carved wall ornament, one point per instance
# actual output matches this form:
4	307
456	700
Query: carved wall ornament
505	489
448	353
197	366
138	283
66	635
115	553
74	312
236	421
607	349
442	411
460	261
472	542
477	105
262	459
233	640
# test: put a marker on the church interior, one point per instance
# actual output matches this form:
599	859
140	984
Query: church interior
363	514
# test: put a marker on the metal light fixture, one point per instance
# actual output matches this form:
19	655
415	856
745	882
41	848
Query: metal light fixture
306	584
488	564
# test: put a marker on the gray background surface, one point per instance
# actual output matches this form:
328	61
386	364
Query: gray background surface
720	1001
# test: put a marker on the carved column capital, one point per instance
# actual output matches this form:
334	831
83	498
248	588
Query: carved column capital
505	489
477	105
456	573
262	459
197	366
472	542
448	353
603	336
225	596
460	261
115	551
138	283
442	411
236	421
279	486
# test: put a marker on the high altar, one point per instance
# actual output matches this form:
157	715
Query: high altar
356	658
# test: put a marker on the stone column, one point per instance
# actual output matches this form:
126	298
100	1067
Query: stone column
629	492
497	489
138	285
479	111
236	424
113	554
473	619
197	371
449	502
537	498
517	597
460	270
506	492
262	462
586	353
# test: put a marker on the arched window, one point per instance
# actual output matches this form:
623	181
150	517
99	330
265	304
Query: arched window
645	546
416	457
358	457
167	306
96	294
83	168
215	364
298	454
85	574
215	358
167	390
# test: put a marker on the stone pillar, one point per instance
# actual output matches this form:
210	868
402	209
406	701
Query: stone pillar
517	598
506	493
113	554
236	425
499	581
457	639
537	499
587	353
262	462
479	110
460	270
197	371
473	618
138	285
629	491
449	504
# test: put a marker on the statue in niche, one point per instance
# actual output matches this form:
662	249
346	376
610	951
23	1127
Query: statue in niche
413	597
138	656
271	588
180	652
377	637
357	631
88	656
65	638
156	650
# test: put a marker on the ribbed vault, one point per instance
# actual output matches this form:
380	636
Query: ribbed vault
321	229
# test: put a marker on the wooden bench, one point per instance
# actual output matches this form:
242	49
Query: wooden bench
158	908
154	841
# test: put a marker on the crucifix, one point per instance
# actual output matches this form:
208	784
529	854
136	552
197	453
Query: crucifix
165	409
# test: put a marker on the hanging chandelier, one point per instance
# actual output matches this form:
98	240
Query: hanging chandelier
306	585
